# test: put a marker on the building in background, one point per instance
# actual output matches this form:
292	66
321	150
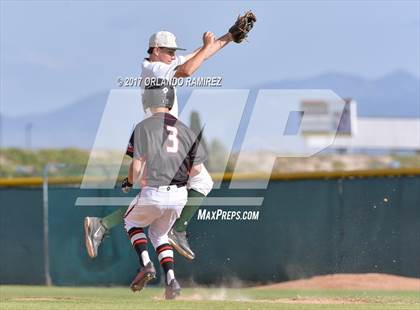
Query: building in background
357	134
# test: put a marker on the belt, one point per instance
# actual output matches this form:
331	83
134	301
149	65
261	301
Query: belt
168	187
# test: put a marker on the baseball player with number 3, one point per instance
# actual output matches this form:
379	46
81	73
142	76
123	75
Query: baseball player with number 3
163	63
166	154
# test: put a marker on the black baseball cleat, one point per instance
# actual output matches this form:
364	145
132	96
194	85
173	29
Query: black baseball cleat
144	275
179	241
172	290
94	234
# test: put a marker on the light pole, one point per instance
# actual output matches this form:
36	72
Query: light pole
47	167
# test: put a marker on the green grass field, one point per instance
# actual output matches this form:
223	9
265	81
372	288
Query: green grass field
45	298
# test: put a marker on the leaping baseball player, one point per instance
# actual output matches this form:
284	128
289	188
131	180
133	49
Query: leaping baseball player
164	63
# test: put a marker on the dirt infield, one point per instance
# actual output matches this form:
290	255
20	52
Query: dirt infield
372	281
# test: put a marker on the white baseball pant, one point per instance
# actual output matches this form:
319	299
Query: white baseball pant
157	208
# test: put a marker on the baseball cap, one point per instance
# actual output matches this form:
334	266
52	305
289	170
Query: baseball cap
164	39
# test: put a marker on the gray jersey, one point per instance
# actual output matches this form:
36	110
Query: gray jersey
169	148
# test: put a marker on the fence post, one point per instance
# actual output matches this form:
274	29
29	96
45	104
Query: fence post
47	275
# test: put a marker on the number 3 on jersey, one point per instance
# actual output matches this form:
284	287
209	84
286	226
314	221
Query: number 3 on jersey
172	146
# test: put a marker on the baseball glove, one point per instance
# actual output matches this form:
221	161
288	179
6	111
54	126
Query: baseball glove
242	26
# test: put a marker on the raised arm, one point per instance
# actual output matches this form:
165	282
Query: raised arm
195	61
218	45
238	32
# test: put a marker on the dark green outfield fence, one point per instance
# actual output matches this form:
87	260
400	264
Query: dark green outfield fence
305	228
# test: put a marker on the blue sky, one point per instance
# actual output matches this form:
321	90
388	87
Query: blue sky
55	53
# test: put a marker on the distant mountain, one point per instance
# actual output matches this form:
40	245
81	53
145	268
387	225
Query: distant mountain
72	126
394	95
